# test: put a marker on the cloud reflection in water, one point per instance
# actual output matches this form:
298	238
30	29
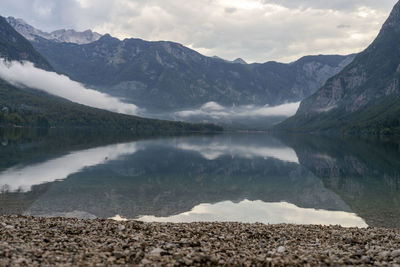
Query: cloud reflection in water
258	211
24	177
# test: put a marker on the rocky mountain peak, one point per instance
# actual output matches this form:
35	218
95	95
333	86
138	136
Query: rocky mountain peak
63	35
239	61
24	28
72	36
107	38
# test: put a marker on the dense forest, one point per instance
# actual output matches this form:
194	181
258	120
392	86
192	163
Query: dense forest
30	108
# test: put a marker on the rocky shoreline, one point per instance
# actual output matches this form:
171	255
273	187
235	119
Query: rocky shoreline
29	241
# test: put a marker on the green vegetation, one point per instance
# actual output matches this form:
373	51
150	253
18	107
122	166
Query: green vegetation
381	117
31	108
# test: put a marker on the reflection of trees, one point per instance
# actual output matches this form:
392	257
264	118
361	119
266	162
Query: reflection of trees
365	172
18	202
27	146
164	180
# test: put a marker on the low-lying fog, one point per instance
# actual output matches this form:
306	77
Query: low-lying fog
26	75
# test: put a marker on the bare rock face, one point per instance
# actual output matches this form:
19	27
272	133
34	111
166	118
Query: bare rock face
71	36
68	36
365	93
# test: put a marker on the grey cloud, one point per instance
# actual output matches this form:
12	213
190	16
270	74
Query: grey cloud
255	30
230	10
335	4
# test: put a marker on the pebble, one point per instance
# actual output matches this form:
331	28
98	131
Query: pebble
97	242
157	251
281	249
395	253
7	226
365	259
384	254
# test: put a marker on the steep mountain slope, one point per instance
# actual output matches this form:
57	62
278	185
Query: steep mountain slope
166	76
13	46
68	36
365	96
26	107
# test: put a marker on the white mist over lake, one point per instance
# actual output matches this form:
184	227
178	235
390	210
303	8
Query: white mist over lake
25	74
217	111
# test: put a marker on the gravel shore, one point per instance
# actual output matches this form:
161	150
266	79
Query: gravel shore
29	241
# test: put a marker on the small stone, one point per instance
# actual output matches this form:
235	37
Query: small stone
145	261
169	246
281	249
8	226
157	251
365	259
188	262
111	259
121	227
395	253
384	254
118	255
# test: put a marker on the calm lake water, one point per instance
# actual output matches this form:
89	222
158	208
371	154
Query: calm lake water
227	177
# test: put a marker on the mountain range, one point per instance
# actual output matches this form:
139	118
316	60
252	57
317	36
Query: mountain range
167	76
364	97
28	107
348	94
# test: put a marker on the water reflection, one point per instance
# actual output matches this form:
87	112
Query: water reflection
214	150
365	173
21	178
238	177
259	211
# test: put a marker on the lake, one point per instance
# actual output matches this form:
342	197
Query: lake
350	181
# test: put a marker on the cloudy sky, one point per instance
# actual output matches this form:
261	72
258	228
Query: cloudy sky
255	30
